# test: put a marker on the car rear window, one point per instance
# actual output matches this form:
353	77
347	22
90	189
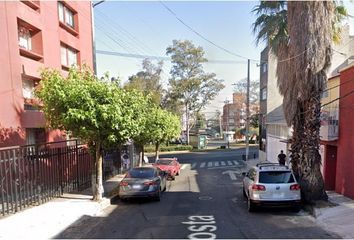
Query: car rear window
276	177
164	162
140	173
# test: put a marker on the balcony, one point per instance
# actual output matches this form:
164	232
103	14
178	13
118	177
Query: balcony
30	68
329	130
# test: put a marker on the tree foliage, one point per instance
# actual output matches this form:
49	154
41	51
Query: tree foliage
189	83
100	113
241	87
160	126
148	81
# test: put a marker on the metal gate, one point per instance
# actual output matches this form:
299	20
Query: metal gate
34	174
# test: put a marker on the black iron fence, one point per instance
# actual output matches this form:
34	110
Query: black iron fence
34	174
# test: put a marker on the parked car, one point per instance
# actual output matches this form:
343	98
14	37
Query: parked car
170	165
270	184
143	182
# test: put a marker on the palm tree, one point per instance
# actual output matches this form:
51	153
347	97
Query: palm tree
300	34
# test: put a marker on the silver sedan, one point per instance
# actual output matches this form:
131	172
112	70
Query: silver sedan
143	182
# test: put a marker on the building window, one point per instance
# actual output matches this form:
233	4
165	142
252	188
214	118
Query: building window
264	67
29	40
28	87
68	56
264	94
24	38
66	15
35	135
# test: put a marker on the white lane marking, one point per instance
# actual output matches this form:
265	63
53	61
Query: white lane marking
229	162
223	163
202	164
223	167
231	173
210	164
236	163
193	165
184	166
202	227
216	164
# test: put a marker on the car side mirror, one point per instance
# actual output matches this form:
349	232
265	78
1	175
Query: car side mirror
163	173
244	174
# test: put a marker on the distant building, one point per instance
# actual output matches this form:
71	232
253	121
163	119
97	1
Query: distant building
234	114
36	35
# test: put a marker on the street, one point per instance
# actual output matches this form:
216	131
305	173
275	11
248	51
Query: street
205	201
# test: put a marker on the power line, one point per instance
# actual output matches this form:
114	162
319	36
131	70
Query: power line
201	36
160	57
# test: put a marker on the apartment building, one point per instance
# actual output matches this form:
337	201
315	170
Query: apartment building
37	35
273	125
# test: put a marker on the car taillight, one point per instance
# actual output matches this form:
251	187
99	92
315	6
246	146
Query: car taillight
150	183
295	187
123	183
258	187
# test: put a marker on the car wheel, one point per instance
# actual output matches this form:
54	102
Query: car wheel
250	205
178	173
244	192
158	195
296	209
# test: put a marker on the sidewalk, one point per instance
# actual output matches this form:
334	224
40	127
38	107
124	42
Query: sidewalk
48	220
336	216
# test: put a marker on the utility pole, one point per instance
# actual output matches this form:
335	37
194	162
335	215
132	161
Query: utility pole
248	109
227	121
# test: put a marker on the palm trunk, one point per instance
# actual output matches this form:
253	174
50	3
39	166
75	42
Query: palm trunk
311	180
297	143
98	187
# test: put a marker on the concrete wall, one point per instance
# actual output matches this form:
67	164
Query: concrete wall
345	160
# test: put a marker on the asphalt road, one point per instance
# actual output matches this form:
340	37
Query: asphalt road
205	201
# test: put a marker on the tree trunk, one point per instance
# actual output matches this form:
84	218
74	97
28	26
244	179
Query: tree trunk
157	146
297	142
98	193
187	123
311	180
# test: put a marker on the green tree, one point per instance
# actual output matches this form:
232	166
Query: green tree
241	87
99	113
161	126
300	34
148	81
189	83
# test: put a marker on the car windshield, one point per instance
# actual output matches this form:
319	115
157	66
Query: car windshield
276	177
140	173
164	162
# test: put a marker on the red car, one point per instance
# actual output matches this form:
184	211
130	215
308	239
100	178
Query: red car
169	165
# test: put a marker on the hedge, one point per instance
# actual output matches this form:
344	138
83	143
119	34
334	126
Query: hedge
170	148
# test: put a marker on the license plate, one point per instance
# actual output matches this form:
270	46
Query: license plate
136	187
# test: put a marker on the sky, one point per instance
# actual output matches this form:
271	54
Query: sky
148	28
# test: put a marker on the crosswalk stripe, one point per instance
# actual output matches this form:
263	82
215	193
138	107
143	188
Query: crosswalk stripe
236	163
223	163
202	164
216	164
229	162
210	164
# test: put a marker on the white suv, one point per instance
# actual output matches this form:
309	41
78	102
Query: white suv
271	184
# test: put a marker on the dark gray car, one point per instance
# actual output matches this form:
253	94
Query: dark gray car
143	182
